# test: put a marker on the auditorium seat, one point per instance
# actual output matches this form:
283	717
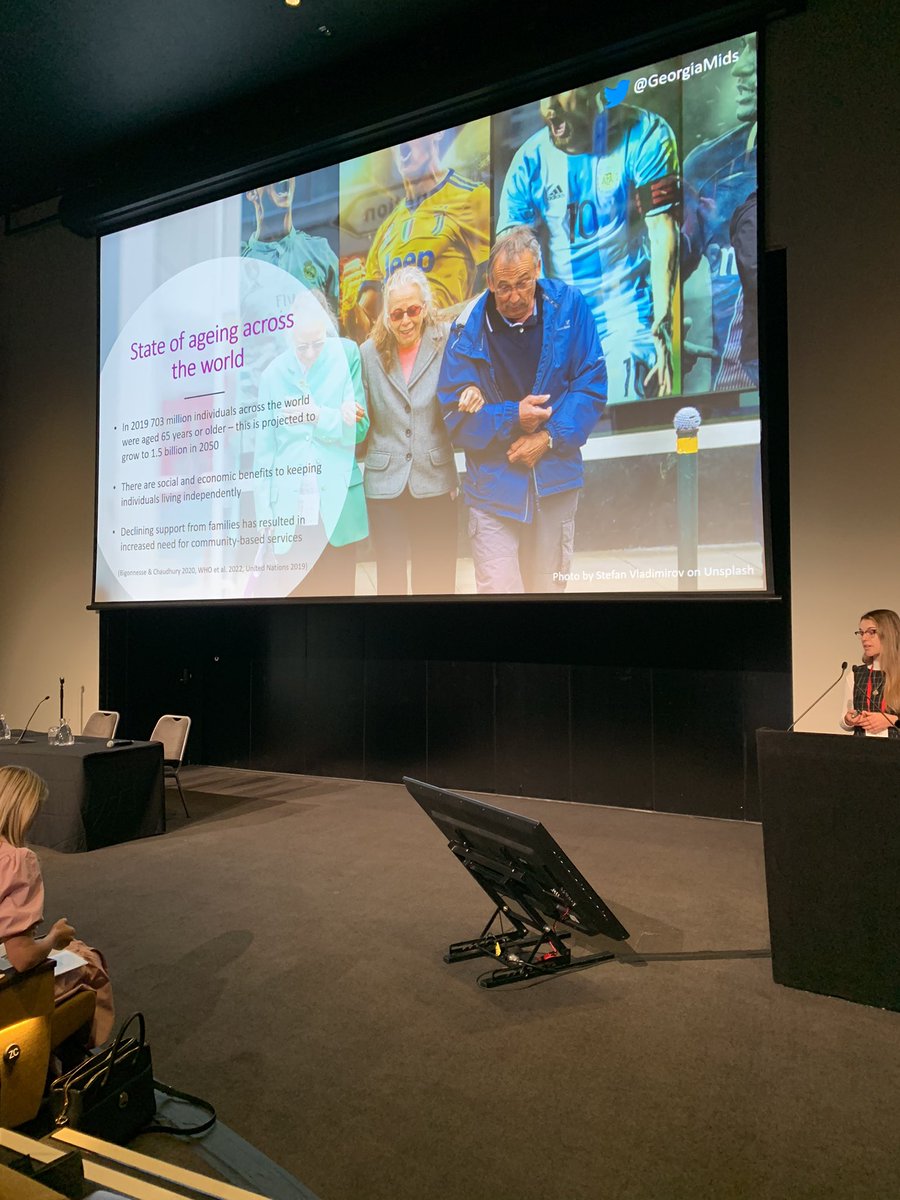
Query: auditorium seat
31	1025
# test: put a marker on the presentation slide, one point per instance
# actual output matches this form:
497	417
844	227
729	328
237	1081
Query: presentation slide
516	356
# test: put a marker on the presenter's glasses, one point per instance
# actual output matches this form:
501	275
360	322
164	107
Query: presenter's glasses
860	633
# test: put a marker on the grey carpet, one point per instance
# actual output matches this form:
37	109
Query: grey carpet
286	947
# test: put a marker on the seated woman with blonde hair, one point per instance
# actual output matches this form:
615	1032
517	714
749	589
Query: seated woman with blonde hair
872	692
22	903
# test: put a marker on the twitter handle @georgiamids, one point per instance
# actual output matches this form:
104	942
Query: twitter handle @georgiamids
697	67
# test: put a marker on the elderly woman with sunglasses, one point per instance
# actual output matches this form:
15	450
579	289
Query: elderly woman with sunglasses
872	692
410	476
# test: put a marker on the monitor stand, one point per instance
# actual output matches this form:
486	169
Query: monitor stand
504	945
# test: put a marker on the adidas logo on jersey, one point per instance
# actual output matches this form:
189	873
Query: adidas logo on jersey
555	192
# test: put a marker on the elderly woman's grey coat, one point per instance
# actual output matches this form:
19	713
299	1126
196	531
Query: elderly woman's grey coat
407	443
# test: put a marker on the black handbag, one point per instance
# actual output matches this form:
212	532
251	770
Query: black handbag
111	1095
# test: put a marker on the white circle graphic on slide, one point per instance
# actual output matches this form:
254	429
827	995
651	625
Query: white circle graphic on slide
226	444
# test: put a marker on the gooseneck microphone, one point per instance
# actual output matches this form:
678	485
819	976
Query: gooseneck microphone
818	698
21	736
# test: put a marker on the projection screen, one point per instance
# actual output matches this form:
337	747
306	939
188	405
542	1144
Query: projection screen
270	427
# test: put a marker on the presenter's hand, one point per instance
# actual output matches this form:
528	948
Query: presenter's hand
471	399
533	412
61	933
529	449
873	722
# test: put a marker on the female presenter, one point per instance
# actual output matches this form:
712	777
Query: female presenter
872	695
410	477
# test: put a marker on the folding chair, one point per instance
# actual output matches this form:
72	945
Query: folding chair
173	732
101	725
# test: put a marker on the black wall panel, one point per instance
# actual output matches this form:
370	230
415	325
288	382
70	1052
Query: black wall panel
226	701
330	724
337	690
532	730
396	718
330	717
461	723
698	736
279	692
612	736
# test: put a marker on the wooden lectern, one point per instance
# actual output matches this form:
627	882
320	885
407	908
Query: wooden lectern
830	809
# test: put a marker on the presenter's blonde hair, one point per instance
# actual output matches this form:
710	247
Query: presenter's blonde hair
21	795
887	623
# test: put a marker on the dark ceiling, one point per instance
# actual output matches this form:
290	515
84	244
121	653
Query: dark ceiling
112	102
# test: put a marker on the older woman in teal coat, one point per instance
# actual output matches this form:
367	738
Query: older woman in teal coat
310	490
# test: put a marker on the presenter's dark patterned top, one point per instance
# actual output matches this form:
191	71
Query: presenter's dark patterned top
868	695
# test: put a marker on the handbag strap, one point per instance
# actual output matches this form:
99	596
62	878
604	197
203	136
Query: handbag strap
186	1098
113	1055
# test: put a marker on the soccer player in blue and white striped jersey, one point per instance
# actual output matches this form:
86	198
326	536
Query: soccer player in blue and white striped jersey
601	185
720	177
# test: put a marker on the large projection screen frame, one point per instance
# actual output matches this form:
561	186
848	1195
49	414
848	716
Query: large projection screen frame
626	425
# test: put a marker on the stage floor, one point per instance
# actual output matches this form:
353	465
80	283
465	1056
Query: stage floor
286	943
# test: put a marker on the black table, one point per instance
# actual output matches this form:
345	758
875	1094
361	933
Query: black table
99	795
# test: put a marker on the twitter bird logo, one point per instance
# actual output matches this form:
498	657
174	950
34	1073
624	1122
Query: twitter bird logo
615	95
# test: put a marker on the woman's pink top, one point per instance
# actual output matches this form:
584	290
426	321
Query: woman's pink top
407	357
21	891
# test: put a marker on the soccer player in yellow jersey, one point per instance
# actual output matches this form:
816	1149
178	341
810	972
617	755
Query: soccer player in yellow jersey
442	226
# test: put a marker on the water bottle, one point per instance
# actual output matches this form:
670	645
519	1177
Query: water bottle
5	731
61	734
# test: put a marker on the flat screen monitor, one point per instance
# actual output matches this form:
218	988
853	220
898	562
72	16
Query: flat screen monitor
516	858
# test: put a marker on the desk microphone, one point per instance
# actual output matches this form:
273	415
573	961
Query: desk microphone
816	701
21	736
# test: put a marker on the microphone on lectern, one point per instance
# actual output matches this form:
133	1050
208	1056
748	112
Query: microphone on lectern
818	698
21	736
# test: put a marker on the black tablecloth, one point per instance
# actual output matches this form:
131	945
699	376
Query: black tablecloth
99	795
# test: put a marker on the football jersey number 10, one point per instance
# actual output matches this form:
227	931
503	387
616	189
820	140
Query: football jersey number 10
583	220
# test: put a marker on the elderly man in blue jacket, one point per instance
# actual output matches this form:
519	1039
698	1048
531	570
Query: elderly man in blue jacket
522	385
